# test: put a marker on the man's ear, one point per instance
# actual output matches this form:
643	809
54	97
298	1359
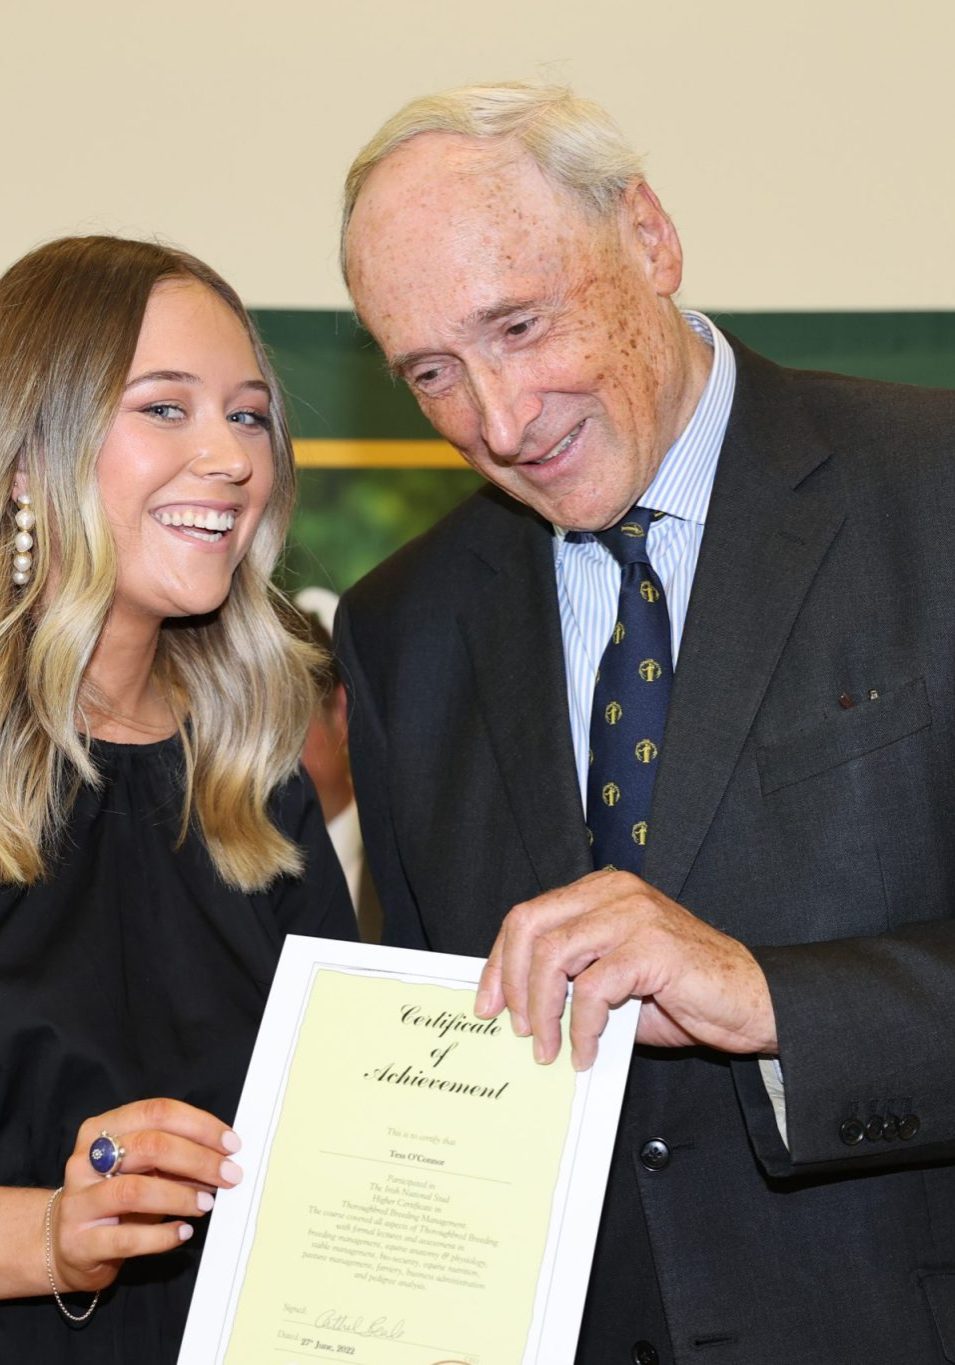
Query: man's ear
652	232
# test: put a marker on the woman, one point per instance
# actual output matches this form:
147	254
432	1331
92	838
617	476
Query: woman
156	839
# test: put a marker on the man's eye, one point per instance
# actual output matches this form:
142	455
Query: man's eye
249	417
520	329
426	377
434	380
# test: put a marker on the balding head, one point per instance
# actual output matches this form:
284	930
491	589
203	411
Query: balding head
573	141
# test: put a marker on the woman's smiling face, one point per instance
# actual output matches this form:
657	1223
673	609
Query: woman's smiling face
186	470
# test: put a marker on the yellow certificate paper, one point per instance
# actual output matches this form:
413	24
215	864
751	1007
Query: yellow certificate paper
418	1191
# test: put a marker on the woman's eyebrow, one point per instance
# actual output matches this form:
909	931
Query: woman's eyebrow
183	377
173	376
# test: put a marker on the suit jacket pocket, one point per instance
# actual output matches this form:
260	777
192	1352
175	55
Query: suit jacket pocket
938	1286
846	735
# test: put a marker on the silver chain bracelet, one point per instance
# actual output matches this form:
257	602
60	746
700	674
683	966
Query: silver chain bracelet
48	1257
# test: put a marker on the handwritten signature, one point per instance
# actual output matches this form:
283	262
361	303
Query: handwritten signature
360	1326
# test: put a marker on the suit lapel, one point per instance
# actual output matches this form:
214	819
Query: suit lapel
776	508
512	632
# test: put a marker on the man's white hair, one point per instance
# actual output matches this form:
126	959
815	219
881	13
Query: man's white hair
573	141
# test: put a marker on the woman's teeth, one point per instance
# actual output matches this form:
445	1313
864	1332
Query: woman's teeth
196	520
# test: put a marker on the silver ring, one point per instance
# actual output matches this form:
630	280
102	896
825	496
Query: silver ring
106	1155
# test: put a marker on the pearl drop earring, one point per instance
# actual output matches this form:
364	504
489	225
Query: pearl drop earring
23	541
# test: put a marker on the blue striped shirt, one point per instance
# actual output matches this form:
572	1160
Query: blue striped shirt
588	576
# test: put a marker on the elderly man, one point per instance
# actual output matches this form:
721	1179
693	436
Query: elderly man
668	711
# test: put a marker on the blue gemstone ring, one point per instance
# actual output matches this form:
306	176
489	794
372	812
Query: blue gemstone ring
106	1155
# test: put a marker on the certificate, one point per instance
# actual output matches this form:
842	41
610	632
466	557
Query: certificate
417	1191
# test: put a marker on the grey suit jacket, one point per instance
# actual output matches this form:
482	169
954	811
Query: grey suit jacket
803	804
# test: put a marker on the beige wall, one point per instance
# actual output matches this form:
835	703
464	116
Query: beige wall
805	150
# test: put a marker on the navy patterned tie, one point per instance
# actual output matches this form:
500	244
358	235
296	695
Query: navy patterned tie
631	696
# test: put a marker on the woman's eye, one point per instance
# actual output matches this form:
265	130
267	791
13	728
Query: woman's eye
248	417
168	412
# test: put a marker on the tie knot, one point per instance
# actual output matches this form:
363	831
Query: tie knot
627	540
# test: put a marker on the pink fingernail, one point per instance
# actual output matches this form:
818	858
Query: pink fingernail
481	1001
230	1172
185	1232
231	1141
520	1025
204	1201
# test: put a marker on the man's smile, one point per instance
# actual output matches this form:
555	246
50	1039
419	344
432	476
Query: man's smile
561	446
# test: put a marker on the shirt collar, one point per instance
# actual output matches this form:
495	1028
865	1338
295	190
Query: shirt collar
683	484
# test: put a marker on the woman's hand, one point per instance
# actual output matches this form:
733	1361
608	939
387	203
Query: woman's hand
175	1156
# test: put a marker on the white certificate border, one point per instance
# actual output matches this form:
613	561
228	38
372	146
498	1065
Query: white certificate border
578	1192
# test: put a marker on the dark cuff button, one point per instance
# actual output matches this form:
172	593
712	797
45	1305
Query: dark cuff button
852	1132
644	1353
890	1127
874	1128
655	1154
909	1126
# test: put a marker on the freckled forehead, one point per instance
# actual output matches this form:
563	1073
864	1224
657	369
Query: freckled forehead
444	211
451	177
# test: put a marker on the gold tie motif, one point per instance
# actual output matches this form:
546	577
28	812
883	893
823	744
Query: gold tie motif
628	719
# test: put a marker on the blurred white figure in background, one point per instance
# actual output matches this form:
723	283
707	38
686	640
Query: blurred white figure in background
325	759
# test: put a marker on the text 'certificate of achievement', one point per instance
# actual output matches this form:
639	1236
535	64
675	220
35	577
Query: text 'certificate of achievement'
418	1191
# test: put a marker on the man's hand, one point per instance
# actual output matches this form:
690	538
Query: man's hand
615	936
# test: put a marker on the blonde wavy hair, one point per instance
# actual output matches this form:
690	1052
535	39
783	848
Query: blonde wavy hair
574	141
238	681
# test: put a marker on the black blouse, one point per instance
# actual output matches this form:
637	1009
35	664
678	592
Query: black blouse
133	971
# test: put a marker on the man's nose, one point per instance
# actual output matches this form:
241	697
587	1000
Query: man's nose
507	407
